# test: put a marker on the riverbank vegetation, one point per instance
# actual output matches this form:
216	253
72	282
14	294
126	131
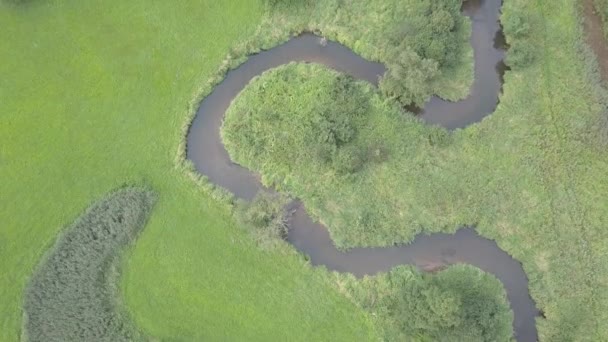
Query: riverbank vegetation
265	217
460	303
529	176
72	295
424	44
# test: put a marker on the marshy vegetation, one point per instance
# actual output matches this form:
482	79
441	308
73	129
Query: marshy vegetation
72	296
512	175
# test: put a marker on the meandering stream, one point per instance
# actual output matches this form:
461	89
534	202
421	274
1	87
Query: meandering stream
428	252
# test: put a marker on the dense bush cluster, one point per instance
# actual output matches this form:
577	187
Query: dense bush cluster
332	124
265	217
72	294
424	44
521	49
326	110
461	303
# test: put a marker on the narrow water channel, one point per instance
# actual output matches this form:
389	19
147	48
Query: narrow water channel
428	252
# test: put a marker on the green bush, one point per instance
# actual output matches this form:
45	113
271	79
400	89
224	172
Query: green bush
265	217
72	294
323	119
434	31
521	52
520	55
347	160
409	77
461	303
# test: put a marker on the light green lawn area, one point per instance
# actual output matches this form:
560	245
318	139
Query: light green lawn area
93	95
531	176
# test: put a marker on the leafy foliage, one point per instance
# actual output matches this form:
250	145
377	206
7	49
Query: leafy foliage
409	79
461	303
325	122
72	295
423	43
521	51
265	217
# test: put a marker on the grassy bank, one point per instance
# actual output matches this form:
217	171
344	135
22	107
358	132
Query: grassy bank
530	176
424	44
93	96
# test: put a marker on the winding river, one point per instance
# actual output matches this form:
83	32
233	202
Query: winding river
428	252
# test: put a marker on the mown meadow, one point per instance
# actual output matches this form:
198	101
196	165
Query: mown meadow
530	176
93	96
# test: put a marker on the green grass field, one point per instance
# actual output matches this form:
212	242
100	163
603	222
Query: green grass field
93	95
531	176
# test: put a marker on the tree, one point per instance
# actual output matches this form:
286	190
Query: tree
408	80
426	310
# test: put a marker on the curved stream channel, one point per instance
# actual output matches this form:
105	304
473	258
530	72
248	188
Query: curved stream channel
428	252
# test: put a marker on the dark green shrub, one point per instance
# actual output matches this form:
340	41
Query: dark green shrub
460	303
265	217
516	27
72	294
408	80
520	55
347	160
424	44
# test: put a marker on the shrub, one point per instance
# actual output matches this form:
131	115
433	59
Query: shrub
265	217
348	160
408	80
71	296
516	28
520	54
460	303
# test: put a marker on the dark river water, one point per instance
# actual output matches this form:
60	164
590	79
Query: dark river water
428	252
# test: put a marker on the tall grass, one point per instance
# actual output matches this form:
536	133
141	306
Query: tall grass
72	296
